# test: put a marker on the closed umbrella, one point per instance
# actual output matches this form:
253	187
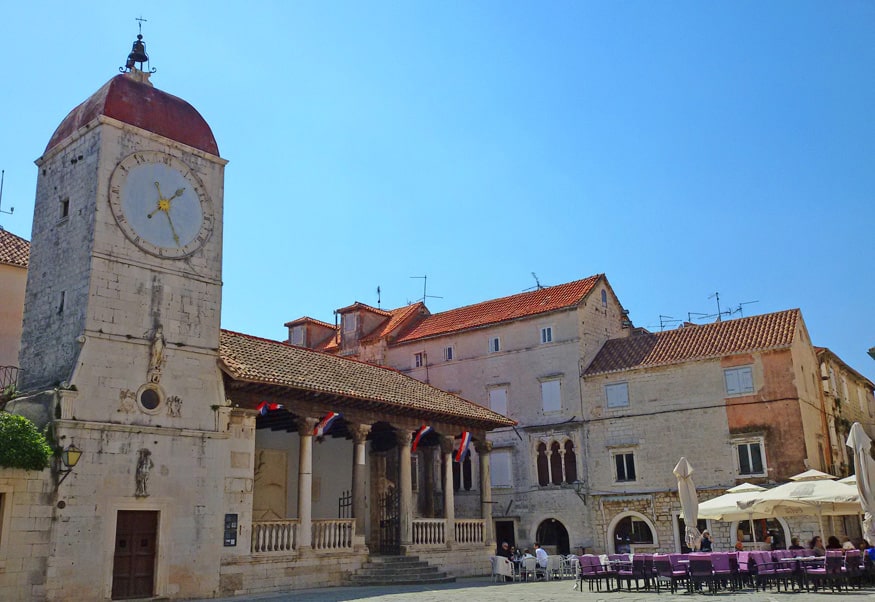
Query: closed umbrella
864	467
689	502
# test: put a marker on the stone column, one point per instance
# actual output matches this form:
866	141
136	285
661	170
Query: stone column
359	477
428	481
483	448
447	444
405	486
305	482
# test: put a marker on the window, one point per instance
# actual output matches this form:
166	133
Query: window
543	465
418	360
498	400
570	463
297	336
738	380
462	474
617	395
348	321
751	460
604	298
625	465
449	353
62	301
494	345
551	395
65	208
632	530
547	334
500	470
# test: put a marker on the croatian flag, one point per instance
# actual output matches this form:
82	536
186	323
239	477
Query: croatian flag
264	407
463	446
325	424
423	430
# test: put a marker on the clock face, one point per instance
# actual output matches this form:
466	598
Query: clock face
160	204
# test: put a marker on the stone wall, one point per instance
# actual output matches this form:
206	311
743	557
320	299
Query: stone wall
25	527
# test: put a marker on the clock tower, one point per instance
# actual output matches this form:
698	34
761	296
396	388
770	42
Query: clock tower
120	347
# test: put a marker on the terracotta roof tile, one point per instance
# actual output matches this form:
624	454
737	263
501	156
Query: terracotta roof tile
14	250
755	333
252	359
309	320
397	318
522	305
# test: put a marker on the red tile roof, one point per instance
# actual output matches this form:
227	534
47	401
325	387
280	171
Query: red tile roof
252	359
14	250
309	320
755	333
397	318
532	303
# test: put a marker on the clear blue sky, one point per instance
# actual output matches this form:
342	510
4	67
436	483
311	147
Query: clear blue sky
682	148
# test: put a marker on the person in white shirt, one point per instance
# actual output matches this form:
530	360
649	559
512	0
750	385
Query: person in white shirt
541	555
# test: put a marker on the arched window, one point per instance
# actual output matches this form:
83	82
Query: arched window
604	298
631	530
570	463
543	466
556	463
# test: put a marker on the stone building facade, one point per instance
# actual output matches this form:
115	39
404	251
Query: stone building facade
14	253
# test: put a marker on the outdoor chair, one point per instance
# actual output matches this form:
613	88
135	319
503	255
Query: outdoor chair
666	572
592	571
529	569
724	576
502	569
762	570
831	573
635	570
570	566
854	568
701	573
553	570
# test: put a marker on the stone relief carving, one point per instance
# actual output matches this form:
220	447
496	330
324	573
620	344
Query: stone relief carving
174	406
156	355
127	401
144	467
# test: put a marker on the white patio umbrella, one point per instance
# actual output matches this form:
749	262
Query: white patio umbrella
864	469
725	507
809	493
689	502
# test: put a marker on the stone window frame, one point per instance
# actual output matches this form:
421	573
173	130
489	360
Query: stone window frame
494	344
546	336
449	353
543	471
557	378
418	359
749	440
495	454
497	387
623	452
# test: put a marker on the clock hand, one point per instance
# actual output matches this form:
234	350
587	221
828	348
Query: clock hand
175	236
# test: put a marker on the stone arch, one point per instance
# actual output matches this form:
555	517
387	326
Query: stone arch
612	527
785	530
551	533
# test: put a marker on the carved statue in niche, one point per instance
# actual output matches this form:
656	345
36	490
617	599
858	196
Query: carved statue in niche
156	355
127	400
174	406
144	467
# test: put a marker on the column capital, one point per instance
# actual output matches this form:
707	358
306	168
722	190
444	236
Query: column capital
360	432
483	447
448	443
305	425
403	437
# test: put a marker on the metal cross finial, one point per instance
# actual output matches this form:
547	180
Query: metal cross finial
140	20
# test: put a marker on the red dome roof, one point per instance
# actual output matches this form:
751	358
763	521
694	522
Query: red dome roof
145	107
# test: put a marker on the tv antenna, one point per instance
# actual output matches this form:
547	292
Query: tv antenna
538	285
425	294
378	296
740	308
665	321
719	315
2	177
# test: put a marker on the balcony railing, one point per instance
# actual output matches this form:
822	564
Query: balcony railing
282	536
470	530
336	534
429	531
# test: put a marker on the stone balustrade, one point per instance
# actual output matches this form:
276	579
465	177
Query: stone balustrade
274	536
333	534
470	530
429	531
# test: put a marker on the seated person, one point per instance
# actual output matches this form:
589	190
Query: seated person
816	546
794	544
505	551
541	555
833	543
706	544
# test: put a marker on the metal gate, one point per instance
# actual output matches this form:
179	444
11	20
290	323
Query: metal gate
390	523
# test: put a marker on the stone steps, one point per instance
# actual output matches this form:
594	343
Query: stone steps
398	570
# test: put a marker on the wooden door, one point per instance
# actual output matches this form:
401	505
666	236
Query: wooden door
133	567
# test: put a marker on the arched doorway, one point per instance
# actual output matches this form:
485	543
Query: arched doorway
630	529
753	532
553	534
